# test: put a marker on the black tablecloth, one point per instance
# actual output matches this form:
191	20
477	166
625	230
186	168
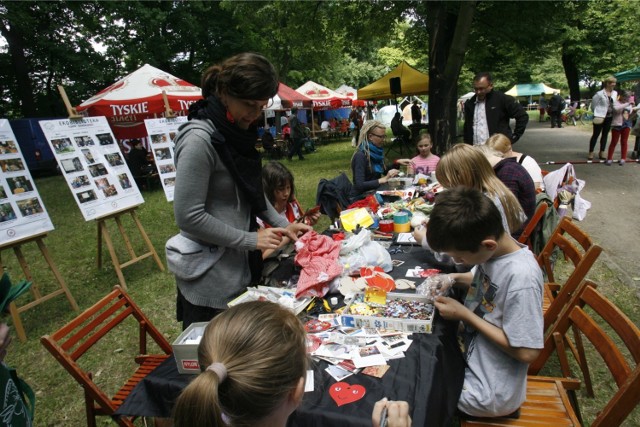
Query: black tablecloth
429	378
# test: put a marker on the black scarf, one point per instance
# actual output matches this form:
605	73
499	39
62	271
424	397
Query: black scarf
237	151
236	148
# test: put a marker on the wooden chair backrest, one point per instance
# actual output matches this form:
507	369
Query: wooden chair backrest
525	237
74	339
582	260
589	312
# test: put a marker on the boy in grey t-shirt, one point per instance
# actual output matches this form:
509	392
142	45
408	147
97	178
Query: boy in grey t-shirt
502	312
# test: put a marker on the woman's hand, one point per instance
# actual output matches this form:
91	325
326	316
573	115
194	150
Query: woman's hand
270	238
296	229
397	413
392	173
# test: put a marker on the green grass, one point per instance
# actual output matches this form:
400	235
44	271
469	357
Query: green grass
73	247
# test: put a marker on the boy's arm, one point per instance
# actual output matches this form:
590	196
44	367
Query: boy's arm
451	309
462	280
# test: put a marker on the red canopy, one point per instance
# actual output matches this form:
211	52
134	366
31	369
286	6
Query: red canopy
138	96
287	98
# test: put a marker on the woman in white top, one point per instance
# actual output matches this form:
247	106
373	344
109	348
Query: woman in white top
602	105
502	144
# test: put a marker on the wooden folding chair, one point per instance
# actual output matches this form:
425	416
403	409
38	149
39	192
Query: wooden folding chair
74	339
556	295
525	237
603	324
582	260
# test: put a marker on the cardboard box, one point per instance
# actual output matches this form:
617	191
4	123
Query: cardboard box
185	348
399	324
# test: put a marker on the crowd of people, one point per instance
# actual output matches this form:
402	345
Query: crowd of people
239	212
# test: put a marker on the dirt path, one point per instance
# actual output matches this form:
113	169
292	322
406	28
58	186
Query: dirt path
614	191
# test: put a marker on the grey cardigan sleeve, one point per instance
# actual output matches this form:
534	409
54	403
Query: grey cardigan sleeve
195	162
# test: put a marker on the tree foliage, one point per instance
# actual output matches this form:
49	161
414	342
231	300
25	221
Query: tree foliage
88	45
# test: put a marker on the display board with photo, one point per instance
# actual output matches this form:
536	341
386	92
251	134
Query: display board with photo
93	166
22	213
162	133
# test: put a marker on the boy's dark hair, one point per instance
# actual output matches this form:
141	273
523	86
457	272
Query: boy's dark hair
461	219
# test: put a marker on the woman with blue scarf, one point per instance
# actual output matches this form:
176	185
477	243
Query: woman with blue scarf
367	163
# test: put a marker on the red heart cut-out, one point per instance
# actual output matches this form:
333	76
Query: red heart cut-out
343	393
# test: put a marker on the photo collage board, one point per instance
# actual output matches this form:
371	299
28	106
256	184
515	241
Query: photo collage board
162	133
93	165
22	212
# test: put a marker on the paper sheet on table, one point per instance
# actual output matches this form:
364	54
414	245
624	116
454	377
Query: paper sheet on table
406	238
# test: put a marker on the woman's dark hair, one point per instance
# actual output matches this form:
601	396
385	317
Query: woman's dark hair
275	175
245	76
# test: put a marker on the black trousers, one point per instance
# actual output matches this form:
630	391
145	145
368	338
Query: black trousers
188	313
556	118
296	147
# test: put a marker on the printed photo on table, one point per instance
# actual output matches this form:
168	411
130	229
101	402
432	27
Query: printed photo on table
158	138
97	170
80	181
19	184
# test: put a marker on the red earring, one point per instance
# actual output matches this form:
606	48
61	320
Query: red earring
230	117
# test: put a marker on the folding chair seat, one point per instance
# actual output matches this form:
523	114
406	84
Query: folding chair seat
77	337
604	325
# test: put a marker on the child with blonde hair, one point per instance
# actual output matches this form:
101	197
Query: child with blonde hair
465	166
502	144
367	163
254	361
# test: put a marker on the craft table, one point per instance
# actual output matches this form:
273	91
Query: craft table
429	378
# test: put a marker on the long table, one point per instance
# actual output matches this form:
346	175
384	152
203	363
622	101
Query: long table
429	378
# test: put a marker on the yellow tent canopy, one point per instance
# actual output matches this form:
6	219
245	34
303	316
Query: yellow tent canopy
412	82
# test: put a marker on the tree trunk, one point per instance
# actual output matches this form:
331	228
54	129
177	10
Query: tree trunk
448	36
571	72
19	66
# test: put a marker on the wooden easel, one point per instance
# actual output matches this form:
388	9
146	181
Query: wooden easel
35	291
103	232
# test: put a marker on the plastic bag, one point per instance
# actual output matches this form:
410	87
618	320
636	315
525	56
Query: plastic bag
435	286
565	179
360	251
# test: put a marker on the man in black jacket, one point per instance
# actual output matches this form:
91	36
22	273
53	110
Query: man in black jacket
556	105
489	111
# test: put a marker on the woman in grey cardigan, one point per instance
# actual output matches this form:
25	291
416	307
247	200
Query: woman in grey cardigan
218	190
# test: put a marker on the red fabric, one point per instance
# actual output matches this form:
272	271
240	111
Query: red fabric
318	257
368	202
